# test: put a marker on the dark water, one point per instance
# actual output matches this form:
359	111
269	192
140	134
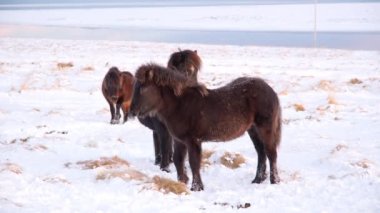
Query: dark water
346	40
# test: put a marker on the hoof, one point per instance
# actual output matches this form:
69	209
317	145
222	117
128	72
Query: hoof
165	169
259	179
157	161
196	187
114	121
274	180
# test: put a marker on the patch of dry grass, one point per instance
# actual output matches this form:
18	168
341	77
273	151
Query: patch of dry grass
206	154
64	65
56	179
88	68
232	161
365	163
37	147
166	186
11	167
331	100
299	107
127	174
106	162
355	81
325	85
338	148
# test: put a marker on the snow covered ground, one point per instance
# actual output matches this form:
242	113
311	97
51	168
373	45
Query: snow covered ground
54	120
60	154
337	17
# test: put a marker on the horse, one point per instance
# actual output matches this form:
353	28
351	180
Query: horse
194	114
189	63
117	89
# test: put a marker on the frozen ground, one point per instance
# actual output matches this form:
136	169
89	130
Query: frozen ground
53	117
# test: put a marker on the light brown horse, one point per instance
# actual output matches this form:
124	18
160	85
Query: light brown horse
194	114
117	89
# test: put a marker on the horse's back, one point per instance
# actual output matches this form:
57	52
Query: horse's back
245	99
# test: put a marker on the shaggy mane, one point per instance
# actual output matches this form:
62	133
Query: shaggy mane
162	76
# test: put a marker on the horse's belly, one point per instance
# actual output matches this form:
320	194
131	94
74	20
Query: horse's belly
228	130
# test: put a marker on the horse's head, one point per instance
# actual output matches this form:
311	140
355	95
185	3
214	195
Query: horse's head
186	61
112	83
152	82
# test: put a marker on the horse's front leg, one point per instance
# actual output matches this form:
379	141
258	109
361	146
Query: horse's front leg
157	151
179	161
195	153
165	146
112	110
117	114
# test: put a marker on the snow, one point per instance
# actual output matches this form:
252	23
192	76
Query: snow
337	17
53	115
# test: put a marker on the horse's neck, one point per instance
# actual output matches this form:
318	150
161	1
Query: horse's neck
176	110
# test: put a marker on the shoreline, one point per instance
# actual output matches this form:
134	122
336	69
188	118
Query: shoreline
333	40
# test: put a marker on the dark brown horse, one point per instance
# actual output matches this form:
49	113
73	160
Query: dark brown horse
117	90
194	114
189	63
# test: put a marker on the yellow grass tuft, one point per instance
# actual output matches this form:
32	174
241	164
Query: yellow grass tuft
331	100
206	154
365	164
355	81
125	174
299	107
88	68
64	65
106	162
11	167
169	186
232	161
38	147
326	85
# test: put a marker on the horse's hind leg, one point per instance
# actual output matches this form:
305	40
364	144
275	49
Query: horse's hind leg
261	155
267	134
125	107
179	161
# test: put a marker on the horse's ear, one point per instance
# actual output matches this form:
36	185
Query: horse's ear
196	52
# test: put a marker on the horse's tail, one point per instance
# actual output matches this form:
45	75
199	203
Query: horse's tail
277	124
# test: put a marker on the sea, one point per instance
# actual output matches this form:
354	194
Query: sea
339	40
